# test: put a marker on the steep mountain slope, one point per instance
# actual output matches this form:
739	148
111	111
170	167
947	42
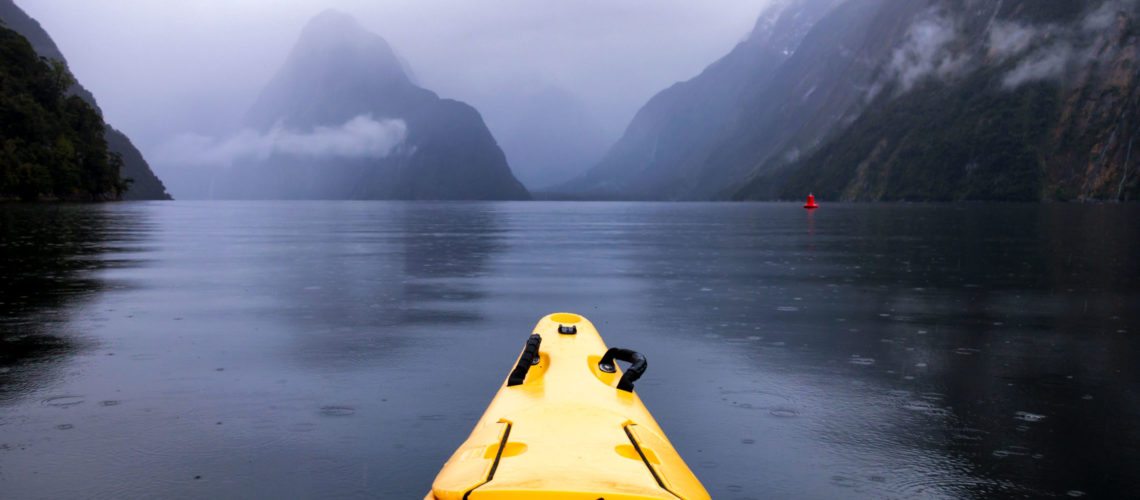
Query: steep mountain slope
145	185
820	88
988	100
897	99
339	74
662	152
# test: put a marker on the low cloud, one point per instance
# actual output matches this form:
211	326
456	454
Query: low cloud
1045	64
1105	16
931	48
926	52
1012	39
1046	51
1053	50
360	137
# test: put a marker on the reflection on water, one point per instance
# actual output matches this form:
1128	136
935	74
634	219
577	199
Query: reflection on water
989	352
345	349
51	256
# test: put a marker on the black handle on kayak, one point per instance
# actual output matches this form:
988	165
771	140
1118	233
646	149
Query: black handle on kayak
637	366
529	357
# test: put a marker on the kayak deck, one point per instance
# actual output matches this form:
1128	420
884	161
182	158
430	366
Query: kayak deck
565	430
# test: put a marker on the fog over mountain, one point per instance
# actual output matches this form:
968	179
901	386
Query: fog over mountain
548	134
166	69
360	137
897	100
985	100
664	151
342	120
671	100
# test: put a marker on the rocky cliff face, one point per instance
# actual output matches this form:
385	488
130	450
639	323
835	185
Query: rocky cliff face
145	185
898	100
987	100
1089	151
821	88
340	76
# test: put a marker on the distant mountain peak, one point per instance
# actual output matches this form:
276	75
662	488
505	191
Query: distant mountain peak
333	18
336	56
339	71
334	35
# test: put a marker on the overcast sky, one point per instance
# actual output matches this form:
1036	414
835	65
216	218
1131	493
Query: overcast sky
160	68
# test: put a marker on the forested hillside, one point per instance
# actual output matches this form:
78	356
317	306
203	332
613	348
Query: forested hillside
143	184
51	142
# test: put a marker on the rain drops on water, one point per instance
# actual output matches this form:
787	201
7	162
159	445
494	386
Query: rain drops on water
1028	417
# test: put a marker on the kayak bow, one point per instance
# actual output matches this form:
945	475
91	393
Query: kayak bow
566	424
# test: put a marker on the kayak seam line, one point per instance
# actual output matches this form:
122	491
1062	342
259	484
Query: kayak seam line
495	464
648	465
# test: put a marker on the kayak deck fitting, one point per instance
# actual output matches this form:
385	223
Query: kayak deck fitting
566	424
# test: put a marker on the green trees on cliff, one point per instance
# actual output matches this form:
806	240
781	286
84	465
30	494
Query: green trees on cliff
51	143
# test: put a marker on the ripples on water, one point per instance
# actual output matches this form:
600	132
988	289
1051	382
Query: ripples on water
344	349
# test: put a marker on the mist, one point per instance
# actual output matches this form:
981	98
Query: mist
1053	50
289	248
926	51
360	137
1041	51
165	69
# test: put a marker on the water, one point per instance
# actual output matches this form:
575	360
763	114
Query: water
320	349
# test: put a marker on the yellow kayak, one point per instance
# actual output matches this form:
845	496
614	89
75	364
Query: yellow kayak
566	424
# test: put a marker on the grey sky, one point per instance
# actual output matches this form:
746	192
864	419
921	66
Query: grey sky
160	68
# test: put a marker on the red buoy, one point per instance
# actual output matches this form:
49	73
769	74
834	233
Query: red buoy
811	204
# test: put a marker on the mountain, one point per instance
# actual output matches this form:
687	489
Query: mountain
343	92
144	184
897	100
664	152
989	100
547	133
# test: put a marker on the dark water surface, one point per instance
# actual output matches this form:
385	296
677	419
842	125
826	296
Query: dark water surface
319	349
